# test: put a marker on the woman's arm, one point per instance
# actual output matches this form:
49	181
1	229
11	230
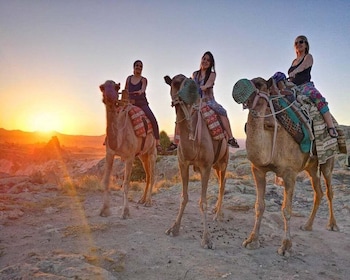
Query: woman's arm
308	61
210	82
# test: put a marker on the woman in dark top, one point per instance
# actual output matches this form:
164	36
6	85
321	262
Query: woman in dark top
136	86
300	74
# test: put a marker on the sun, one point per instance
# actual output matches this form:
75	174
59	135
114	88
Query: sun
45	122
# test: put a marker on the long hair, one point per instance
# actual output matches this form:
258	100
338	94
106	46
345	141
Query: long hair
211	68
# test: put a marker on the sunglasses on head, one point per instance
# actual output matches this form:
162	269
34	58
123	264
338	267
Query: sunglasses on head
299	42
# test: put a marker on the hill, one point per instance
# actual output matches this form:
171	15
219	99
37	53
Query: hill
25	138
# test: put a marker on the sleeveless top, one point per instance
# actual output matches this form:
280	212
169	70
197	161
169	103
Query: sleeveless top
140	100
209	93
302	77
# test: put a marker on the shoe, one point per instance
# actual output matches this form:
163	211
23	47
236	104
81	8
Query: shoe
233	143
332	132
172	147
159	149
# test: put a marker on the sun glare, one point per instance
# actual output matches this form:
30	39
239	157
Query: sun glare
45	122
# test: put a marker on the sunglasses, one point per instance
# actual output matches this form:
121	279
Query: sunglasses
299	42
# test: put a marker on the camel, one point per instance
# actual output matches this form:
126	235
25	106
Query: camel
122	141
270	148
196	148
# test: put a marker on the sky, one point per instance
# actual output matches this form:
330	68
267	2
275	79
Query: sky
55	54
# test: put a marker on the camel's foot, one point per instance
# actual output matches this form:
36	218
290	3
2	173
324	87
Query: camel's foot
126	213
306	227
174	230
251	244
219	215
332	227
207	243
105	211
286	248
145	202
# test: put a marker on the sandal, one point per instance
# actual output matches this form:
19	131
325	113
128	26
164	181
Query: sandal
172	147
332	132
233	143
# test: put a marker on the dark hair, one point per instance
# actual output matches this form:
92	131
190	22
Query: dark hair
211	68
137	61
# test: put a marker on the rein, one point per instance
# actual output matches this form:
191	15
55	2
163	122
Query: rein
189	113
265	96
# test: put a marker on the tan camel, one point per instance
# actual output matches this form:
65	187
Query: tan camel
122	141
197	148
282	156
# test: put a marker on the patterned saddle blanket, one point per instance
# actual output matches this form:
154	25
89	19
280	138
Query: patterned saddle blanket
305	124
142	125
213	123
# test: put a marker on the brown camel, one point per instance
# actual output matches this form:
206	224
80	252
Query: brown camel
122	141
196	148
281	155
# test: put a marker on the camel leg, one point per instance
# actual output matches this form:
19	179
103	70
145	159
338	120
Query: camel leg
252	242
126	182
105	211
316	185
289	183
218	207
148	163
327	173
175	228
207	243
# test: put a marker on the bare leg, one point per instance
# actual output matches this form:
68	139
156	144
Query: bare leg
227	127
330	124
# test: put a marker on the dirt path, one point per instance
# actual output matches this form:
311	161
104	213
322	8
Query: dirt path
50	235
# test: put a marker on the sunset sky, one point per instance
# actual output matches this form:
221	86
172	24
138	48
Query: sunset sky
55	54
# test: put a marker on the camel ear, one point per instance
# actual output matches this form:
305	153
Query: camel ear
102	88
269	82
168	80
117	87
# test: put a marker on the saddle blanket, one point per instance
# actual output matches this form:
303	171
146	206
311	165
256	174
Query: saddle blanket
290	118
142	125
212	121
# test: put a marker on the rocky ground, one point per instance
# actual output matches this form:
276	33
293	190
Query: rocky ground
50	226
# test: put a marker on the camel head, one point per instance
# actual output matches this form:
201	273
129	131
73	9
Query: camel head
182	89
246	91
110	91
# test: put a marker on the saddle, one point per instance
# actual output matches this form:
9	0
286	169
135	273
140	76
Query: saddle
213	122
302	120
141	124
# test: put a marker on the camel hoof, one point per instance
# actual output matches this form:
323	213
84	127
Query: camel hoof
105	212
208	244
251	245
285	248
306	228
333	227
126	213
173	231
